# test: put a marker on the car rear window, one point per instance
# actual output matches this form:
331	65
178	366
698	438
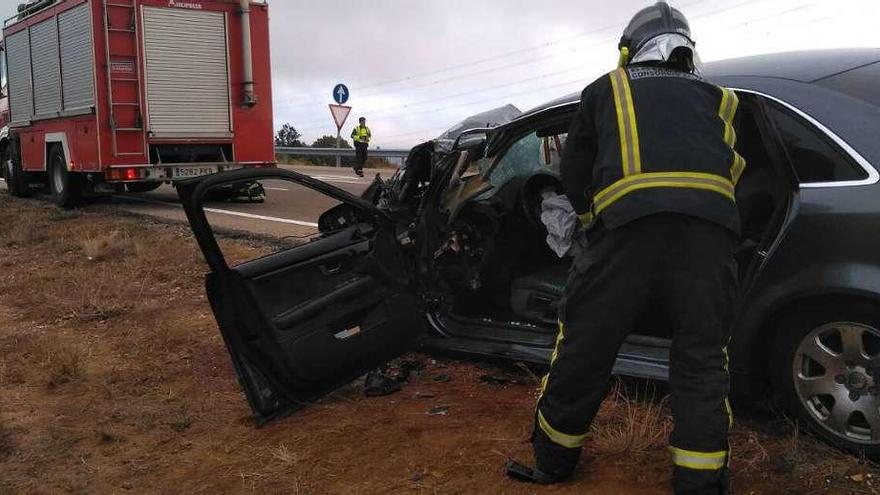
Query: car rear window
814	157
861	83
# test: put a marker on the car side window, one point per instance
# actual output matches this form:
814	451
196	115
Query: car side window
814	156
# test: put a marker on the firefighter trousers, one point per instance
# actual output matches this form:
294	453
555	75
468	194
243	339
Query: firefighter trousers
685	264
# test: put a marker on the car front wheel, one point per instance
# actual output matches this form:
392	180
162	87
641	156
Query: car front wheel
827	373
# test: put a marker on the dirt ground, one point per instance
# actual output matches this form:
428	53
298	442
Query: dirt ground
114	379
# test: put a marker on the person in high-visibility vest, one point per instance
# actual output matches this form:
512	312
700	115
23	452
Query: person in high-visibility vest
361	136
650	167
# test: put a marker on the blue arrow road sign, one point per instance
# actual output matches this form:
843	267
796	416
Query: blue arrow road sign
340	94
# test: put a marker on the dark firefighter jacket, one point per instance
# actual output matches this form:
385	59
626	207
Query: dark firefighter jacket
647	140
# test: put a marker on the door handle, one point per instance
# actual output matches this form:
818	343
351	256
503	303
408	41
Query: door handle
331	269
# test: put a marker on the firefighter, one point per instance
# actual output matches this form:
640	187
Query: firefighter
650	167
361	136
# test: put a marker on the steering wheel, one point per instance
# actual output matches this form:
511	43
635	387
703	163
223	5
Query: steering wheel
532	195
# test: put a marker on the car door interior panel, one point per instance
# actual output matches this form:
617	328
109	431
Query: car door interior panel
308	318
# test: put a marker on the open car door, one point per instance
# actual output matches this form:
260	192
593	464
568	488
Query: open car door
312	316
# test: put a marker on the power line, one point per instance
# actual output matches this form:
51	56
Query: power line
520	63
384	110
505	98
484	60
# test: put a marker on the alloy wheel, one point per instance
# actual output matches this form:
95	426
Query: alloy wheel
834	372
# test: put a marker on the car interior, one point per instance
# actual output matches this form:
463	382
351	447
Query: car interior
505	282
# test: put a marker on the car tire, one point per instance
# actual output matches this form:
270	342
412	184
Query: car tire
16	178
823	369
65	188
142	187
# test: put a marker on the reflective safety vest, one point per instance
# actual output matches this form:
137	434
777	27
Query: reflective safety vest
665	143
361	134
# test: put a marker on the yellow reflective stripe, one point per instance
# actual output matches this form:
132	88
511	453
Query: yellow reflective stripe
688	180
585	219
560	336
704	461
634	131
559	438
621	129
738	167
727	408
630	152
726	111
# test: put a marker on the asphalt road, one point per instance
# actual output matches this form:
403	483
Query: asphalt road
289	209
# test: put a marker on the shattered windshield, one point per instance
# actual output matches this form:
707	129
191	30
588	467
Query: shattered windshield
526	156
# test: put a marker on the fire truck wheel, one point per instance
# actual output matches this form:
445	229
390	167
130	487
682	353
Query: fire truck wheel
66	188
16	180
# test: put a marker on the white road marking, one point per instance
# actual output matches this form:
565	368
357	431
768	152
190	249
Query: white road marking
342	180
229	212
275	188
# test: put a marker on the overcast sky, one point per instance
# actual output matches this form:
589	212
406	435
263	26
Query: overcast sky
416	67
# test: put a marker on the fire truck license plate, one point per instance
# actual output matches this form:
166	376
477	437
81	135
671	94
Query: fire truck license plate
193	171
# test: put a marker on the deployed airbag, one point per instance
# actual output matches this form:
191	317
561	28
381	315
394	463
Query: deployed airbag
561	221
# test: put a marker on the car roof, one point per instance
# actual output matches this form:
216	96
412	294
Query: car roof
834	87
804	66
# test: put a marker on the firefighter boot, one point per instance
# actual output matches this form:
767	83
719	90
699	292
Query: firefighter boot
520	472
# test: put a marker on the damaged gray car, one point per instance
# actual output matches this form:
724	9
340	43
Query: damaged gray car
450	254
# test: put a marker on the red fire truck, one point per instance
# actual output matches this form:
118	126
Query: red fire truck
108	96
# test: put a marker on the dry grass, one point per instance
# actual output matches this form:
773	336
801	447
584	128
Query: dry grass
114	245
284	455
181	420
6	446
63	365
23	232
631	426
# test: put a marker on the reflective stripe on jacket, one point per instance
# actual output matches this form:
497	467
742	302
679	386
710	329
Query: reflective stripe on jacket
361	134
648	140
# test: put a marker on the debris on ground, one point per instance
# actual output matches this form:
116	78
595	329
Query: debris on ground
378	384
439	411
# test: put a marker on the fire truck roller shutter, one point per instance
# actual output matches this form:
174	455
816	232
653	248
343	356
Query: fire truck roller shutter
77	65
47	70
187	73
18	60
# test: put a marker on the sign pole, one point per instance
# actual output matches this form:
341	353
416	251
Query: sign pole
338	145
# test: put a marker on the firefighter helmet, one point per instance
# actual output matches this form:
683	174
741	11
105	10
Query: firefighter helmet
650	23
